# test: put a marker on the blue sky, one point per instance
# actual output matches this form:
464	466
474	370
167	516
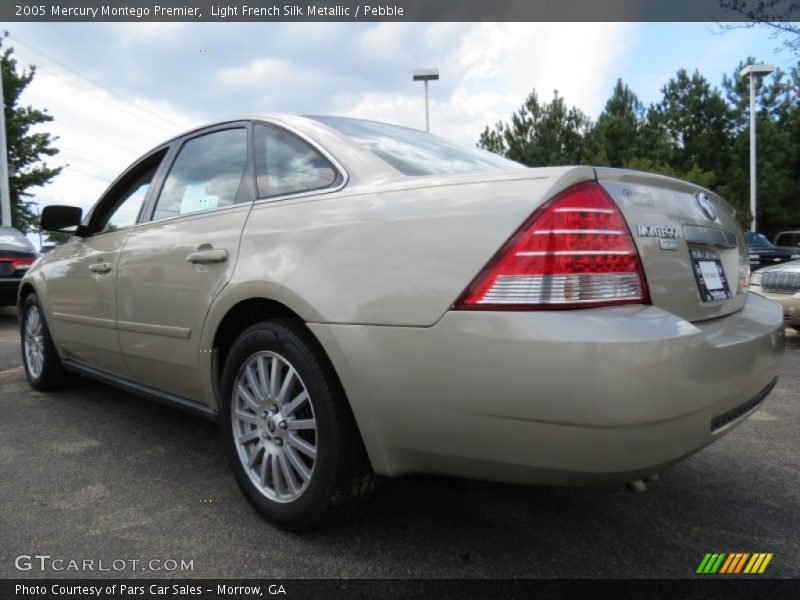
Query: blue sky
157	79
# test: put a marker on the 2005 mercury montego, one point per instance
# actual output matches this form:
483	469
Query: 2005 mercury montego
350	298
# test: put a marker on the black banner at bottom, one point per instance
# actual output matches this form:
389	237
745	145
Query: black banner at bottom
387	589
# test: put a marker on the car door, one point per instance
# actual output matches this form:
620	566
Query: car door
81	275
173	266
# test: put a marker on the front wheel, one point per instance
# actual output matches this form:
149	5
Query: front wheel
43	366
291	438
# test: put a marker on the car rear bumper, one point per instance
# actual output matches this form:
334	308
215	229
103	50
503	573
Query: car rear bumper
572	397
791	306
8	290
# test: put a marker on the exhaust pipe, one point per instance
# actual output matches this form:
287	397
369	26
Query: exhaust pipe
640	485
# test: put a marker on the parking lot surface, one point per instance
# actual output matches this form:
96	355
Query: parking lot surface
94	473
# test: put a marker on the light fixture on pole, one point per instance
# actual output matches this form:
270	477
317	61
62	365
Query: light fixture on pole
426	75
754	71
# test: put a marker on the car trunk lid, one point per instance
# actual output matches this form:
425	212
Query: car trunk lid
695	261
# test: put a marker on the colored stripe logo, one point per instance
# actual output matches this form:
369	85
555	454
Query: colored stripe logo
734	563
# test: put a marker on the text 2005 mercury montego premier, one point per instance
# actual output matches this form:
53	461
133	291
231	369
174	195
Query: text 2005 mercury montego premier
350	298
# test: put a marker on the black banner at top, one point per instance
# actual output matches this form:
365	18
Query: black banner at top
399	10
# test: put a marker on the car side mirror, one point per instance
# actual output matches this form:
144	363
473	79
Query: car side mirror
63	219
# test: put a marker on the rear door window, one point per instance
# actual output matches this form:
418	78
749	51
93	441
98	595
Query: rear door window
207	174
286	164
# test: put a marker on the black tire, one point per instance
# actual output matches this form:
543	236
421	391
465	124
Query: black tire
342	478
53	375
795	327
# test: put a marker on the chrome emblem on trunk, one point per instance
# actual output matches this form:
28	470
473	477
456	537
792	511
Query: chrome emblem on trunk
706	206
657	231
667	236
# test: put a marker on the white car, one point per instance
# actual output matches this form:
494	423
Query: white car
781	284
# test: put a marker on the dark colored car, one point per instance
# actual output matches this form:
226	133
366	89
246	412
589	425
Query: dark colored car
763	253
17	254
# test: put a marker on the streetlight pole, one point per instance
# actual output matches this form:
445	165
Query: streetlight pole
5	196
754	71
426	75
427	111
39	224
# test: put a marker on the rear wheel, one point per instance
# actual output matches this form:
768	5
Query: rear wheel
292	441
43	366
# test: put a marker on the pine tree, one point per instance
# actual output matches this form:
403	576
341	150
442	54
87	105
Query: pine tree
615	139
540	133
778	188
695	132
27	151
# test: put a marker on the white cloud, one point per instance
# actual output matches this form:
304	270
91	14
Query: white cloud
99	133
148	31
494	66
487	70
385	41
274	70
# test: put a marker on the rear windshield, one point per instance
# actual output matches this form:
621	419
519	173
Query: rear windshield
12	237
415	152
757	240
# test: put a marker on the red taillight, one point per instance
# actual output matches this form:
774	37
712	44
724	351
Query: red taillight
18	263
574	252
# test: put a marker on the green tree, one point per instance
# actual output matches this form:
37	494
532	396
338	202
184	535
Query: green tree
697	122
27	150
778	165
540	133
615	139
694	132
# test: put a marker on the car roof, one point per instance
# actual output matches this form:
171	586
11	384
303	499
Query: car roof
322	135
269	116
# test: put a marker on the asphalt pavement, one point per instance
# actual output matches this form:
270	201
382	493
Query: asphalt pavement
96	474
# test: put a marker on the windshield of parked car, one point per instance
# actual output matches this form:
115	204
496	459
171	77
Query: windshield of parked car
414	152
789	238
757	240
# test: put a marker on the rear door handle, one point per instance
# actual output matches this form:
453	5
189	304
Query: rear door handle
206	255
101	267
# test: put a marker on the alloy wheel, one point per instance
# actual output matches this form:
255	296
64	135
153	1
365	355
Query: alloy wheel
34	342
274	427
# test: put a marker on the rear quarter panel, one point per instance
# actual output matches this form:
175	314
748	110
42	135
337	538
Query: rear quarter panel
379	253
386	255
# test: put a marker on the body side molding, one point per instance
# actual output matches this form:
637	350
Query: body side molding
183	333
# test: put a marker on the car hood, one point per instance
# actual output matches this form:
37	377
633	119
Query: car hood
792	266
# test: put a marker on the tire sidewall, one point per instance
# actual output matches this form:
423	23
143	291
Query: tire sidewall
276	338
